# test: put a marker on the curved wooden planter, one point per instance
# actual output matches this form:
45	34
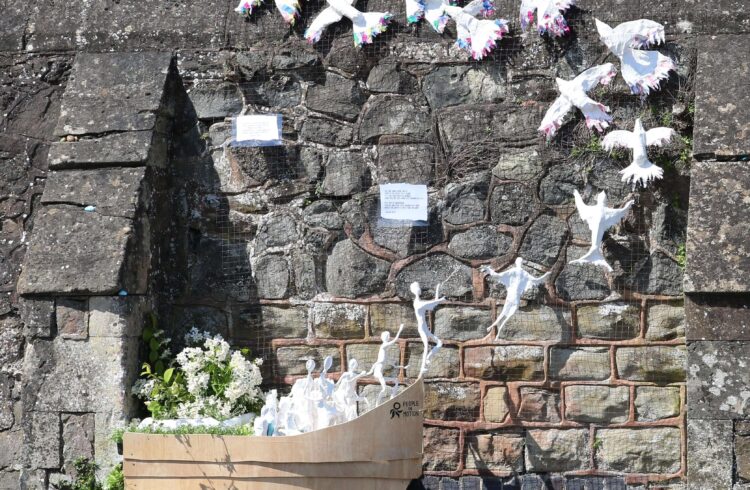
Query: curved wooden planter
380	450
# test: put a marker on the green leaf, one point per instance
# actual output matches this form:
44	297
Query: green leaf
154	345
153	356
159	367
148	333
168	375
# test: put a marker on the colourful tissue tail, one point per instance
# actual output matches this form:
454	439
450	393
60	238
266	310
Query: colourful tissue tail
367	36
557	26
246	8
488	8
440	23
419	15
651	82
290	12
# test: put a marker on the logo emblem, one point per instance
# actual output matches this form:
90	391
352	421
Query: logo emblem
396	410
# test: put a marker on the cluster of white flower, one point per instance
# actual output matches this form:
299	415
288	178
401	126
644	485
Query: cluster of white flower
142	387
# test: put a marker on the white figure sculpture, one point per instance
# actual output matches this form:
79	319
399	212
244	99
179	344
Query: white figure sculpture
476	36
599	218
324	413
303	406
549	17
573	93
382	362
345	395
642	70
365	25
420	312
265	424
641	170
286	419
516	281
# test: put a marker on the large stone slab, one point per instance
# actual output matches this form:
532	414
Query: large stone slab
557	450
114	192
657	364
113	92
76	252
709	454
351	272
505	363
722	101
718	227
717	381
501	453
653	450
126	149
718	317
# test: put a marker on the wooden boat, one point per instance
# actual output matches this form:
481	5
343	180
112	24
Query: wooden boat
379	450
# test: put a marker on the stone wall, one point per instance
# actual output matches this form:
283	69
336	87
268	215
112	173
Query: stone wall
280	249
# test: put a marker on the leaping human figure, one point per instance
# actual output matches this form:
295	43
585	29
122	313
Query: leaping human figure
641	170
599	218
574	93
642	70
421	307
516	281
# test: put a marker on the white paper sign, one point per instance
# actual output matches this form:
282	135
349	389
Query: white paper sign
403	202
258	130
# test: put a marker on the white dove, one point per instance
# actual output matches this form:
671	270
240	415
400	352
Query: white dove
289	9
365	25
433	11
516	281
549	16
642	70
599	218
476	36
641	170
573	93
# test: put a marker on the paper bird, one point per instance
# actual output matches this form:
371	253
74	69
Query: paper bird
641	170
516	281
289	9
549	18
599	218
366	25
433	11
478	37
573	93
642	70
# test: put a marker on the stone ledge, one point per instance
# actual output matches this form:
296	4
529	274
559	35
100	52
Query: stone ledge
717	381
718	316
127	149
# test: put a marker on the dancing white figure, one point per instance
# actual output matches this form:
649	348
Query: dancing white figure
265	424
549	15
642	70
573	93
641	169
289	9
365	25
382	362
599	218
345	395
303	407
325	412
516	281
478	37
421	308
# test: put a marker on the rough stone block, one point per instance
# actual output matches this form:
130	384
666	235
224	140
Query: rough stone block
390	78
579	364
213	99
338	320
717	380
722	122
544	240
495	404
537	322
611	321
114	192
581	281
77	438
12	449
345	173
451	401
71	317
539	405
113	92
440	449
118	149
326	131
658	364
462	323
742	456
338	96
665	322
718	210
557	450
444	364
709	454
466	202
42	440
38	315
454	277
597	404
11	341
656	403
351	272
501	453
718	317
276	230
653	450
519	164
204	318
505	363
117	316
272	277
511	204
389	316
463	84
75	252
291	360
481	242
269	322
7	417
401	115
406	163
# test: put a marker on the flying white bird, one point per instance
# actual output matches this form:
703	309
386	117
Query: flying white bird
476	36
516	281
599	218
642	70
366	25
641	170
289	9
573	93
549	16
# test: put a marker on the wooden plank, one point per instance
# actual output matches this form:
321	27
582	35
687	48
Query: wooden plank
392	431
265	484
397	469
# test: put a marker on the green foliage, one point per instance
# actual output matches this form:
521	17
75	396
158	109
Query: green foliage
598	443
681	255
85	476
115	479
240	430
686	154
116	435
593	148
